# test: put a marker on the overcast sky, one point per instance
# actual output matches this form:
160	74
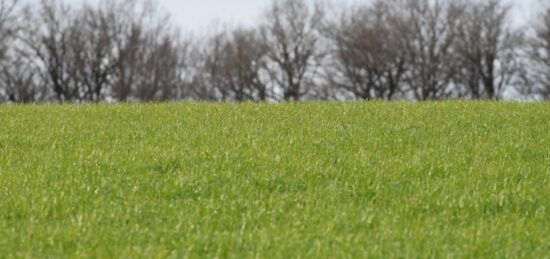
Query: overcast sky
199	14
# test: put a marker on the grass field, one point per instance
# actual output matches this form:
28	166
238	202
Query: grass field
333	180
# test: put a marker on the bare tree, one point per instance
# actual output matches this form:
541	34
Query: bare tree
427	30
128	50
488	49
291	34
211	79
48	36
8	33
149	65
115	50
161	74
92	41
8	27
21	81
367	61
244	63
204	67
233	64
539	55
130	44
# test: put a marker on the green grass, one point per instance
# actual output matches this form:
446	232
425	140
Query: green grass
333	180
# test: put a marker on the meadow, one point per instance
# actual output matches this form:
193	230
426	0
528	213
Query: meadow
307	180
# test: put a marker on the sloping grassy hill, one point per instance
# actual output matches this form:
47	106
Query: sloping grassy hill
453	179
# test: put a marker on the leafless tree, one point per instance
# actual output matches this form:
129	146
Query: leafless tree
9	27
149	65
233	65
130	46
20	81
539	54
427	35
203	70
114	50
488	49
161	74
211	80
129	50
290	31
91	41
244	63
48	36
367	61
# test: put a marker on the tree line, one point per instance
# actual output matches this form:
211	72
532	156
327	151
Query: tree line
129	51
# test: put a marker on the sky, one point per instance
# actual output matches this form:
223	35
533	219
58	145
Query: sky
196	15
199	14
193	15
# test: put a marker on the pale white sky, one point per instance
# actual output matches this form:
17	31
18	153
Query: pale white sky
196	15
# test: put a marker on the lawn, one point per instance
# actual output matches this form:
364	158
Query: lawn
309	180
